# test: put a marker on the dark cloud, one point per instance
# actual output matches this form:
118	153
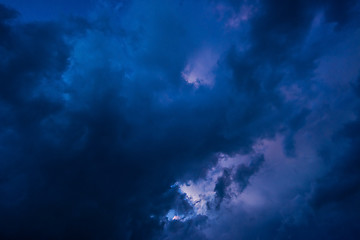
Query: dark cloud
7	13
221	186
295	123
243	173
190	229
241	177
97	120
337	193
342	182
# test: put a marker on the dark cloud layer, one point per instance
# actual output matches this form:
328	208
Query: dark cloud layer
105	115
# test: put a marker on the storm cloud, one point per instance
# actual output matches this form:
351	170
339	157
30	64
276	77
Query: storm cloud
175	119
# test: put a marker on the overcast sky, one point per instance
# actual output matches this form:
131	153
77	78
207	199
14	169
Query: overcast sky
179	119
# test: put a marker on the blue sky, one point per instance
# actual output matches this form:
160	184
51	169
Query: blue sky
209	119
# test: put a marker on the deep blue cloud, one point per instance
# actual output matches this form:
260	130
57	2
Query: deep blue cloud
179	120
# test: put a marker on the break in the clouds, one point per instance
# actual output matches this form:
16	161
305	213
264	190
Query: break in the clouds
210	119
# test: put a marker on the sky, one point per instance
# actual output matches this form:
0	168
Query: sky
179	119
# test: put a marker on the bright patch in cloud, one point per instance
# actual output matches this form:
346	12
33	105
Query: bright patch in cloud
201	194
199	69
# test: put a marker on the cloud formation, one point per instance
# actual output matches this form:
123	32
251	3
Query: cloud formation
180	120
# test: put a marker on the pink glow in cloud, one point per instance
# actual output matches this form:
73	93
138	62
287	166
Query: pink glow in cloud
199	69
233	18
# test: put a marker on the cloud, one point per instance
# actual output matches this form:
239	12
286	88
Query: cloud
98	121
243	173
222	184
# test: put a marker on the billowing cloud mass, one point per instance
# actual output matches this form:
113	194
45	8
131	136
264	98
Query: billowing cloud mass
209	119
